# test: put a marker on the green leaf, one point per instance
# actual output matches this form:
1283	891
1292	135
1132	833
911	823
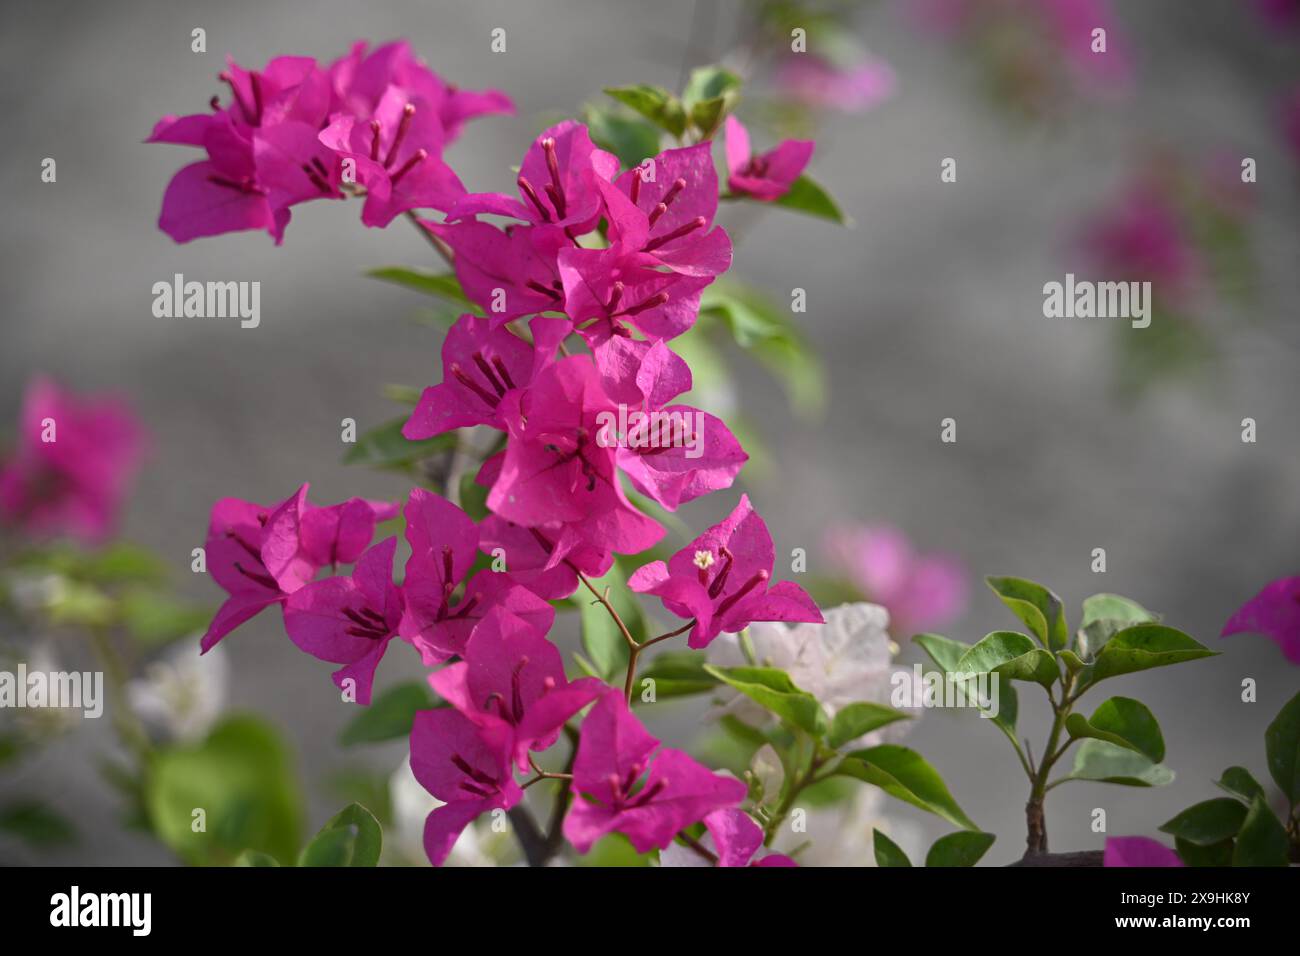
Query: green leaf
888	853
330	848
1040	609
655	103
1208	822
1012	655
764	330
1105	615
853	720
903	773
254	858
963	848
807	196
1241	783
123	563
1143	646
389	715
154	618
36	824
444	285
632	140
711	93
1102	761
385	447
1262	840
1216	854
1213	855
352	837
1122	721
242	778
1282	747
946	652
601	638
773	689
677	674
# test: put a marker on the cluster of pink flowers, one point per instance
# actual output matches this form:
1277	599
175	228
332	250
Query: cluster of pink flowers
615	259
296	131
72	464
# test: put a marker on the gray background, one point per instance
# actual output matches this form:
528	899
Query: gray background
929	308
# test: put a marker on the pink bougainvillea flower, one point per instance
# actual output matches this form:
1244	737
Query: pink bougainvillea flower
338	534
362	76
626	782
255	554
922	592
767	176
72	465
466	766
608	290
481	363
513	675
664	208
672	453
734	839
397	154
553	472
1275	612
444	544
542	559
1138	851
349	620
1143	235
506	272
263	154
821	85
721	580
220	194
557	183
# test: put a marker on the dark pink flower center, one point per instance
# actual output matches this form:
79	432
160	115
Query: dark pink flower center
368	623
494	372
479	783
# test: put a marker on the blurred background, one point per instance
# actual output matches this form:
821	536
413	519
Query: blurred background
1069	436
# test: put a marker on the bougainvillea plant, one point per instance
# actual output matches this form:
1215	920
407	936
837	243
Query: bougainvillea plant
548	462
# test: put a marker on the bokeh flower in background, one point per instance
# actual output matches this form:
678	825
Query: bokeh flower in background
817	83
72	464
847	659
1184	226
1033	55
922	592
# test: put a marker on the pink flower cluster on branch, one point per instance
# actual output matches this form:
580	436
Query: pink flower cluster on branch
374	121
579	292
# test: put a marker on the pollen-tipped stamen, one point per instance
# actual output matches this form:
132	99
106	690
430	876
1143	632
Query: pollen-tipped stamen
696	223
419	156
402	126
